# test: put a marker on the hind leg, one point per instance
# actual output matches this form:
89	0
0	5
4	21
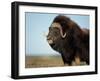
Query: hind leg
77	60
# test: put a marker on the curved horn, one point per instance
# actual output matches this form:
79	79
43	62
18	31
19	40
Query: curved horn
63	36
57	25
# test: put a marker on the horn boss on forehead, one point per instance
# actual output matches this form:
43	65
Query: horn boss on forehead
57	25
69	39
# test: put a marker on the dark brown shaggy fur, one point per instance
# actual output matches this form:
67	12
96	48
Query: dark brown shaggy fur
75	44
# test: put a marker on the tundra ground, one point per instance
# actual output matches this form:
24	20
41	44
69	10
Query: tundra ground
44	61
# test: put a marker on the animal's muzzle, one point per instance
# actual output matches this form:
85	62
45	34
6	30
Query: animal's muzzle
50	40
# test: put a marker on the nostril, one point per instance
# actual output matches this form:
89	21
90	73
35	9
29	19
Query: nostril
48	38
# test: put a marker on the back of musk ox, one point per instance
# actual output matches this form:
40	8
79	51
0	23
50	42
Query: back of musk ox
72	42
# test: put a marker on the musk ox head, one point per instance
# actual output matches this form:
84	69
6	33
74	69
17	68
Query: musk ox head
55	34
59	31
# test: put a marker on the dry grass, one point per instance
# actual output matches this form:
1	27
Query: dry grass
45	61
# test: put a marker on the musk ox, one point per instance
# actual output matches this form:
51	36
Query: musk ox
71	41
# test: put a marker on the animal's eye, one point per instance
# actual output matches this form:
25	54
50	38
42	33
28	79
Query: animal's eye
56	28
56	31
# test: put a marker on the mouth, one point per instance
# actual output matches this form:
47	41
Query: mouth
51	43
